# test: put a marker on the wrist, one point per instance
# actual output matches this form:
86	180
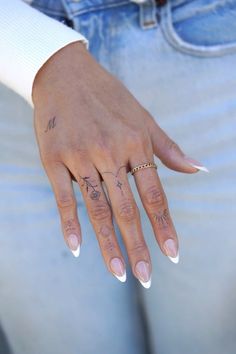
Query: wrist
61	62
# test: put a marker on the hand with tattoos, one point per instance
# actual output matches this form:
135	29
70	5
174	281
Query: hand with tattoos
91	129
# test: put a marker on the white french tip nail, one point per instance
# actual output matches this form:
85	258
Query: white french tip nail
76	252
146	284
201	168
121	278
174	259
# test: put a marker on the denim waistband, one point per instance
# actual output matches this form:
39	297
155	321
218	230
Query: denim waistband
81	6
178	9
183	8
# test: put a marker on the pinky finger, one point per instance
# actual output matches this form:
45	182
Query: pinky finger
61	182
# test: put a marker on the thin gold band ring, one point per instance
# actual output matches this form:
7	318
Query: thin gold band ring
142	166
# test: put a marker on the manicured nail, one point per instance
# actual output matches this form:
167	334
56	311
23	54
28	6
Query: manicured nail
171	250
143	272
74	245
196	164
118	269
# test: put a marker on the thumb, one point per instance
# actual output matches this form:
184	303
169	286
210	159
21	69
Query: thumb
170	153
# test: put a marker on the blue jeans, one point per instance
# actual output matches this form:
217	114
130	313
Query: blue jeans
179	60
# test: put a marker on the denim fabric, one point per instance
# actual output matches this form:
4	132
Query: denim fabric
179	61
4	346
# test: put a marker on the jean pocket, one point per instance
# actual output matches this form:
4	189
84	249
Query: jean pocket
204	28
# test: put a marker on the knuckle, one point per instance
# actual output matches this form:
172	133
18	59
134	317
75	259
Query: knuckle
105	231
171	145
139	141
47	160
103	147
100	211
70	225
66	201
76	151
135	138
127	211
138	248
51	162
154	197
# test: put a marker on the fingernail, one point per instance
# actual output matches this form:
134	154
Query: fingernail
196	164
74	245
142	270
171	250
118	269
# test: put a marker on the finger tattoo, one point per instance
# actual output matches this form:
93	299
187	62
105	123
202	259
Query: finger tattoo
70	225
90	187
162	219
117	180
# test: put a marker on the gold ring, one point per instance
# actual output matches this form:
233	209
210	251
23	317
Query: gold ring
142	166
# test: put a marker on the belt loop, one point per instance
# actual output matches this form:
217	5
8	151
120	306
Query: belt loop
148	18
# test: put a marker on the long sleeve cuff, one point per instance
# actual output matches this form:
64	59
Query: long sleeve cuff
28	39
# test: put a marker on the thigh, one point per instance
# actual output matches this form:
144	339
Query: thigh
189	87
50	301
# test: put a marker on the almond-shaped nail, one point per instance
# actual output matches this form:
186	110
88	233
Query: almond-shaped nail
171	250
196	164
142	270
118	269
74	244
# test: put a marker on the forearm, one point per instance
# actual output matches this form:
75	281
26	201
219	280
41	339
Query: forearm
28	39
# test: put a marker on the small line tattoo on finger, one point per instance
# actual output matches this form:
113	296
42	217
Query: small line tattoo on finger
94	193
118	182
51	124
114	174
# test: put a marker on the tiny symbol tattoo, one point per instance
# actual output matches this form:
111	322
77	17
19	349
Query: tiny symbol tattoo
94	194
51	124
118	182
162	219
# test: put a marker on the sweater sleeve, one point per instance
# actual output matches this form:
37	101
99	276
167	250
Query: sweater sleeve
28	38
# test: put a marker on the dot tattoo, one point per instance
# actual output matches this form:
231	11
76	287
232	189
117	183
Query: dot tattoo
51	124
70	225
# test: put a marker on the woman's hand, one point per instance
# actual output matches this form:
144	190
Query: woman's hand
90	128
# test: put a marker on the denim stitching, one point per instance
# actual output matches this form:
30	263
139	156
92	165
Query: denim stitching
177	3
201	10
72	13
47	8
178	43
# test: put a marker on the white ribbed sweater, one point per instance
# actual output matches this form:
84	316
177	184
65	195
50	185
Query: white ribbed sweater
27	40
